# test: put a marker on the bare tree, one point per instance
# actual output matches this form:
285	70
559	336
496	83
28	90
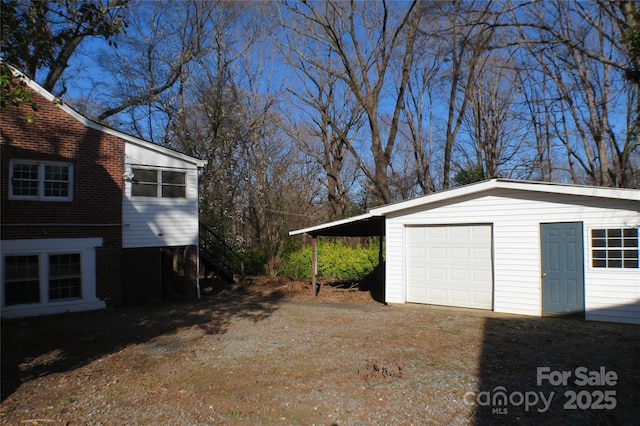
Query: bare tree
470	28
584	56
365	38
418	108
334	119
143	75
492	123
540	108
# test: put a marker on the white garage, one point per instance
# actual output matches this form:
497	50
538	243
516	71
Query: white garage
449	265
519	247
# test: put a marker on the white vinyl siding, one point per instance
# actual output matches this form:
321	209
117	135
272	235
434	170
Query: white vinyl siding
516	217
159	221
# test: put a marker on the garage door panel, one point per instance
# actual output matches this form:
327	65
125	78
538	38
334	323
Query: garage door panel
460	297
417	273
481	276
459	274
481	254
459	253
436	274
455	262
482	298
418	253
434	232
437	295
417	293
483	231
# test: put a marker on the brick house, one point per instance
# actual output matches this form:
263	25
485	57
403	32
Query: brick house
90	216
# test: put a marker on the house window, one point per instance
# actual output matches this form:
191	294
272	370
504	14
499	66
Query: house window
65	277
41	181
614	248
158	183
23	277
173	184
145	183
24	180
22	280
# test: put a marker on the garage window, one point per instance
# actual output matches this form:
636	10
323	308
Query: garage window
614	248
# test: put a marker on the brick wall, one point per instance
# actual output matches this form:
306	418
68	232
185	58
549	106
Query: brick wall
96	208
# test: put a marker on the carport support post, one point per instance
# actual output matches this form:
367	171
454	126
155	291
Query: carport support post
314	264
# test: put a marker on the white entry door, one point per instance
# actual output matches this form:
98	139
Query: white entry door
449	265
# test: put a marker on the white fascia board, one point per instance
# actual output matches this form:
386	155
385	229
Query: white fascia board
543	187
433	198
102	128
332	224
569	189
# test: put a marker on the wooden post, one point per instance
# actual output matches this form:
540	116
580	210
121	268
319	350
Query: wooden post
314	264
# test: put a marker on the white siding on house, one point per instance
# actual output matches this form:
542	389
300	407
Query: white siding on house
142	156
516	217
159	222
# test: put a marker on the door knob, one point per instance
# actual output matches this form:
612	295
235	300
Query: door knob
544	274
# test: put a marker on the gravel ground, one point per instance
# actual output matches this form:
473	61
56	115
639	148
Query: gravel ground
271	354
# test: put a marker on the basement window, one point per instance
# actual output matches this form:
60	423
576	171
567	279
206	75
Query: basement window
614	248
158	183
65	277
22	280
42	181
26	280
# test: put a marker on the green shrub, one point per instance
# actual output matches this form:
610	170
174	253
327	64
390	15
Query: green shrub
254	262
336	261
298	264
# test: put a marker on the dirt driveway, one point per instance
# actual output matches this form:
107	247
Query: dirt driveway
269	354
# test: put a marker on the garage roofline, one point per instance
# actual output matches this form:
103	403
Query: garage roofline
518	185
372	223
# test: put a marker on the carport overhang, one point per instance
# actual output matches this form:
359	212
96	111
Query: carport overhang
364	225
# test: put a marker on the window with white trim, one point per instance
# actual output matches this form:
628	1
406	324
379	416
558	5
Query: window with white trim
23	276
45	181
158	183
65	276
22	280
614	248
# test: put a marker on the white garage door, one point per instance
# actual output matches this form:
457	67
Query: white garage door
449	265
